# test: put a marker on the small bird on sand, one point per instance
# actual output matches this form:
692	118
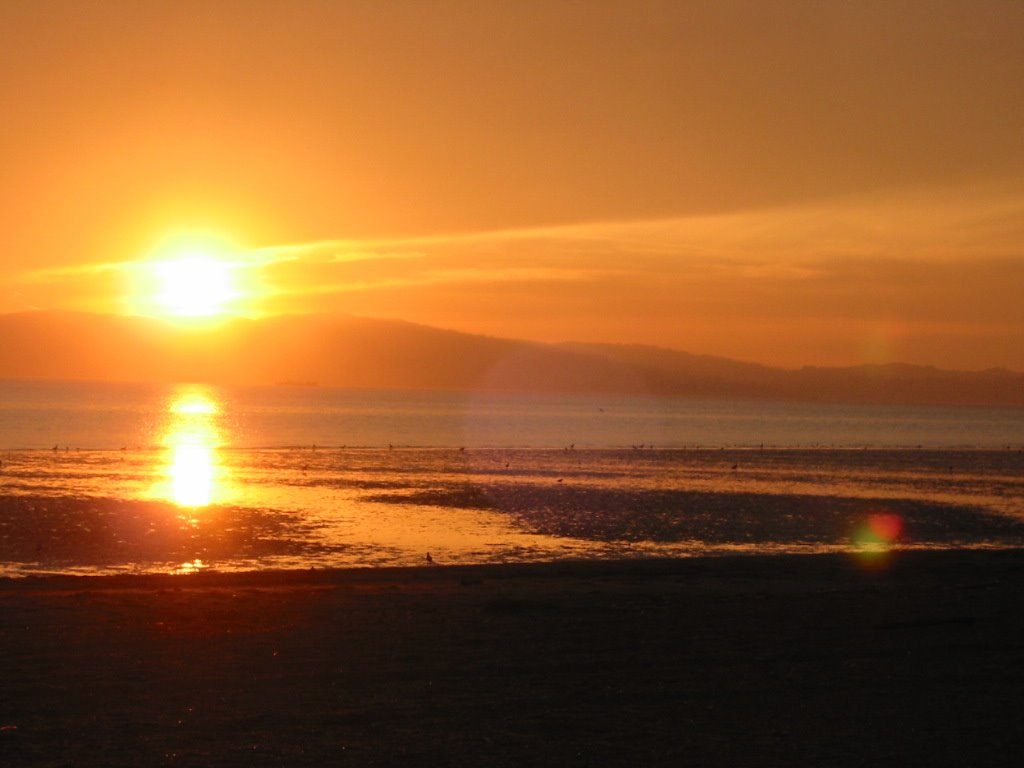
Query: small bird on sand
429	558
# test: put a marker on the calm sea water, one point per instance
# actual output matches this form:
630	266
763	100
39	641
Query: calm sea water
99	478
99	416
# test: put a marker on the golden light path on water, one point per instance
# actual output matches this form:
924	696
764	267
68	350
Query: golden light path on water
224	504
193	475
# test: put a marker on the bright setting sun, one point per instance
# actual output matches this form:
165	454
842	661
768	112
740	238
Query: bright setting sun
188	277
195	285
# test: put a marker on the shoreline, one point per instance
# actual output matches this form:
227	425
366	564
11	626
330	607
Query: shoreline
725	660
711	448
866	562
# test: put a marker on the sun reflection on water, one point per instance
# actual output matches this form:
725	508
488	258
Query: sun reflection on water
191	471
193	474
192	566
193	401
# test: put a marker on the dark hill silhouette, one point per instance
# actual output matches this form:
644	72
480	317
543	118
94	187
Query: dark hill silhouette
345	351
891	383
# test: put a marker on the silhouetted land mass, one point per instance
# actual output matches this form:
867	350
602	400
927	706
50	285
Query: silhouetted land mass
345	351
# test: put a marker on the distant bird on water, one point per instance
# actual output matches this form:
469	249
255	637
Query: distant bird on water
429	558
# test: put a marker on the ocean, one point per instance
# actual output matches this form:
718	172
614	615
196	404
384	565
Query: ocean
115	478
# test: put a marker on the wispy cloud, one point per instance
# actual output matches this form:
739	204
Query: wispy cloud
452	277
69	273
794	243
733	283
925	226
338	251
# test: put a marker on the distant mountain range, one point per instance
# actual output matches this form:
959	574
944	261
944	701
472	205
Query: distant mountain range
346	351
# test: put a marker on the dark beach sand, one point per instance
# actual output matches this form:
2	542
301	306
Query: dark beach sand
806	660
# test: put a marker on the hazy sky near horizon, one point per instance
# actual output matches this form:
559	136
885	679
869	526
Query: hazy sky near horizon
789	182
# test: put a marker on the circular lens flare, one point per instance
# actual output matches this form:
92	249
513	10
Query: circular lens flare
875	538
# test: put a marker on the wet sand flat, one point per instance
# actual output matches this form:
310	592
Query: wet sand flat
807	660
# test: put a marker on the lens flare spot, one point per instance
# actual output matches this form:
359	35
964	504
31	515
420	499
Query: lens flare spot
886	526
875	538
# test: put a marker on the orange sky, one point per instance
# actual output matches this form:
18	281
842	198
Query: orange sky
789	182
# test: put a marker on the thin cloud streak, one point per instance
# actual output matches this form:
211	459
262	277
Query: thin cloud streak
452	277
914	226
59	274
915	265
800	242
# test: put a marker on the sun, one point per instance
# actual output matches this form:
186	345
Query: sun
190	278
195	285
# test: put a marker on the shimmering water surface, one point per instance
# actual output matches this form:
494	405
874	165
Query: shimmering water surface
114	478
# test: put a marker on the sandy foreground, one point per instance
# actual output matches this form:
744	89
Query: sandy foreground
807	660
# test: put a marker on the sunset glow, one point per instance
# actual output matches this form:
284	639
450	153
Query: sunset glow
780	185
451	382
